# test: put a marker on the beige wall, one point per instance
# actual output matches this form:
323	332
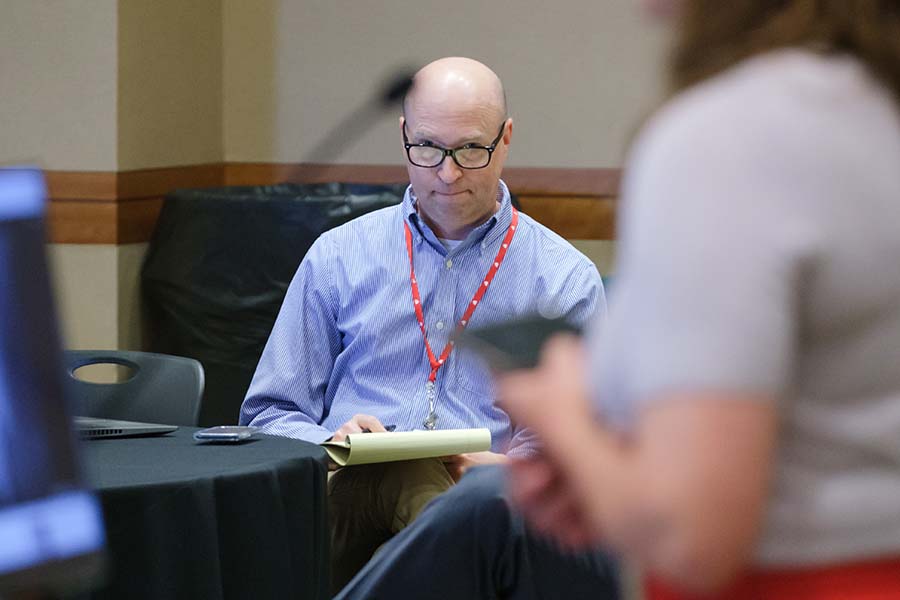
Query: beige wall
127	84
602	252
105	85
108	85
86	294
248	80
96	287
169	83
579	75
129	258
58	83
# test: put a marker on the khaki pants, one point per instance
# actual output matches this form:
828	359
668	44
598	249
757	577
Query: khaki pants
368	504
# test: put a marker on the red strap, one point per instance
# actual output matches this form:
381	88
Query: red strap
437	363
870	580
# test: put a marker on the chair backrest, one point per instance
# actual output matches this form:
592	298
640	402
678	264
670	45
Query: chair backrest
162	388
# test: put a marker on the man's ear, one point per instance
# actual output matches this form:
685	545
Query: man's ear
402	124
507	134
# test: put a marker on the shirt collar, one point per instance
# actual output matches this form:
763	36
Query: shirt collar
483	235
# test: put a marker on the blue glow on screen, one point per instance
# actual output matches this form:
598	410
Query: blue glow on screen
22	193
58	527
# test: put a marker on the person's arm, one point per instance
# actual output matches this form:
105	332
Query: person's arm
287	394
684	494
717	241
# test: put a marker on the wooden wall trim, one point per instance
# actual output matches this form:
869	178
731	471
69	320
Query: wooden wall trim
598	183
105	207
82	222
82	185
149	183
267	173
522	180
574	217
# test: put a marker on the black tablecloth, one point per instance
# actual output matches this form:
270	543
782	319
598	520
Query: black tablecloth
190	520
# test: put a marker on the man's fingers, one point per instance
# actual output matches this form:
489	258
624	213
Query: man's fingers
554	513
530	480
368	422
548	505
524	396
358	424
563	351
341	434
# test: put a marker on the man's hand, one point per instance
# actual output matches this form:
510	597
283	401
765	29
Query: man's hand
458	464
552	508
356	425
552	401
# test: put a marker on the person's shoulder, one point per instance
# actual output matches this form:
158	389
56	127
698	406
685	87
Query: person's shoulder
714	122
358	240
551	248
709	105
791	105
366	226
780	93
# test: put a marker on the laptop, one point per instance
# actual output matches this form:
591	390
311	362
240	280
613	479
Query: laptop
92	428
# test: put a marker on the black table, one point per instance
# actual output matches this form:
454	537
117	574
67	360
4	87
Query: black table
189	520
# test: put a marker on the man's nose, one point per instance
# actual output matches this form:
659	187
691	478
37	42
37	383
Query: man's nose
449	171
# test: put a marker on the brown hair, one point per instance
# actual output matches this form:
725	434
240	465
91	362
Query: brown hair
716	34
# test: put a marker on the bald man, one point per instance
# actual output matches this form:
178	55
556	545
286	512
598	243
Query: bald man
350	350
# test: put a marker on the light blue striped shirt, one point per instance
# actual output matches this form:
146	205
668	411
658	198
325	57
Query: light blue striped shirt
346	340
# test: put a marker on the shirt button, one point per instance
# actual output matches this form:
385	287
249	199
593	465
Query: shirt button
449	264
439	324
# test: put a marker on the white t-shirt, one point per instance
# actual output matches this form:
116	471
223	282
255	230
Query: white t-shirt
760	252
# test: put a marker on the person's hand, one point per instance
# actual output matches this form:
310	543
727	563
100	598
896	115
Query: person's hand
552	401
458	464
552	398
356	425
550	507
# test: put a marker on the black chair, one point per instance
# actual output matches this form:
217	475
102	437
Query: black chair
161	388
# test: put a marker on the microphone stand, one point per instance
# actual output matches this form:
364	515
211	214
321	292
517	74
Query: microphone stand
356	124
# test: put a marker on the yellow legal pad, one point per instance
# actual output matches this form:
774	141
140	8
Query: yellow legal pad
366	448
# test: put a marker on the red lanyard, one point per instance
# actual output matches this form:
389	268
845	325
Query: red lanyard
437	363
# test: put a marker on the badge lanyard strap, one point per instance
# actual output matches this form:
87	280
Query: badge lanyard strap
437	363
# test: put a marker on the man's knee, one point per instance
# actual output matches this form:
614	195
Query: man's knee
423	472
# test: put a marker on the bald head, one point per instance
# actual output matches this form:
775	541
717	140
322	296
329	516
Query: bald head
456	112
465	83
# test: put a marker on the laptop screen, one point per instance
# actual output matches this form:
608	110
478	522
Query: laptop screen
50	524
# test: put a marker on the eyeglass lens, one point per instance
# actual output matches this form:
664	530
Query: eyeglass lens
427	156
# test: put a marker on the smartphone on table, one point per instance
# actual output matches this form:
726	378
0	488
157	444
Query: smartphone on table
225	433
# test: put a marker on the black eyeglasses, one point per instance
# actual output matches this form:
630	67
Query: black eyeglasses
470	156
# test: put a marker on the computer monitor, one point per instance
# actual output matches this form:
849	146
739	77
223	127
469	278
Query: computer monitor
51	525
